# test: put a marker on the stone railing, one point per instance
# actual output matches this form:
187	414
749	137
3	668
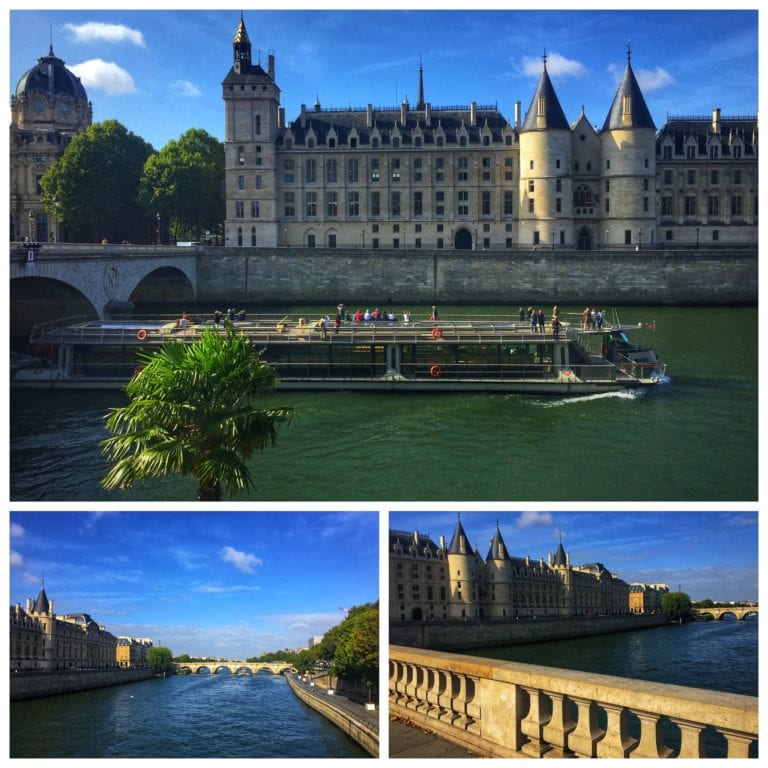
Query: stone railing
507	709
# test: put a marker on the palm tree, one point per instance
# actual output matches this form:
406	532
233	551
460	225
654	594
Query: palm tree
193	410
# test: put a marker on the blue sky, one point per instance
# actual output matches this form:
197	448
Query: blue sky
159	72
706	554
232	584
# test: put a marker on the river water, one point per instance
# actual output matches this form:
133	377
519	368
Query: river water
716	655
694	439
188	716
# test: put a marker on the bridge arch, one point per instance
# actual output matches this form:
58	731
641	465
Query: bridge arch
163	285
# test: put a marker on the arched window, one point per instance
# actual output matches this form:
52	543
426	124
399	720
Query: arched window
583	197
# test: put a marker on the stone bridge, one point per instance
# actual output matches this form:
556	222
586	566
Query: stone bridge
105	274
740	612
276	668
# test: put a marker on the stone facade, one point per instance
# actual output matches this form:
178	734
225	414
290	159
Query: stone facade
48	108
646	598
418	176
430	581
44	641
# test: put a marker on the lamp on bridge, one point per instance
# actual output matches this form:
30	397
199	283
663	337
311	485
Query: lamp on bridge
55	219
31	225
158	227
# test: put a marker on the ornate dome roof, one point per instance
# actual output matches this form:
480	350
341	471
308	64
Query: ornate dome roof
50	76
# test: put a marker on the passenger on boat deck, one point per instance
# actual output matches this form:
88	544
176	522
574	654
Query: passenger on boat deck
600	318
529	313
376	315
555	311
534	319
324	327
183	321
217	317
407	316
241	315
341	311
521	314
434	314
555	327
367	316
540	317
593	319
358	317
337	323
391	316
231	315
585	318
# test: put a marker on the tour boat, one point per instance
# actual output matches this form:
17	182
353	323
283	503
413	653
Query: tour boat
446	355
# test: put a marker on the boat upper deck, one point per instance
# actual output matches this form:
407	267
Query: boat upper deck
268	330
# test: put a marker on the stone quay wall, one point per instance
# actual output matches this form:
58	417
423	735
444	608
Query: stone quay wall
327	276
41	684
457	635
356	729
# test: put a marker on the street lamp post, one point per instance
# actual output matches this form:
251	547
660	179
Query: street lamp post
363	236
697	237
157	216
31	225
55	219
640	243
553	239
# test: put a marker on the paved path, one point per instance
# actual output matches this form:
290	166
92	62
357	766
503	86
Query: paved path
407	740
354	708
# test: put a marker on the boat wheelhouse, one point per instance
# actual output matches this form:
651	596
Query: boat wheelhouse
452	354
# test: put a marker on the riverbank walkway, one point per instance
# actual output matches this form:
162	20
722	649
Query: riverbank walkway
409	740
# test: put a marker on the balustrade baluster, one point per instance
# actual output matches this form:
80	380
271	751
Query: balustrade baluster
534	722
560	724
583	740
447	714
738	743
422	688
433	694
460	703
411	686
651	743
691	738
617	742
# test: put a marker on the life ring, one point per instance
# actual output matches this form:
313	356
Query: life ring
142	334
567	373
435	371
437	333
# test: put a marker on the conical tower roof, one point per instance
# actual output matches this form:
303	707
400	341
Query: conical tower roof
41	604
560	560
459	542
498	549
628	109
545	110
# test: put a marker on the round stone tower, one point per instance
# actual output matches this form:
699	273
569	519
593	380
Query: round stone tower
545	212
464	576
628	168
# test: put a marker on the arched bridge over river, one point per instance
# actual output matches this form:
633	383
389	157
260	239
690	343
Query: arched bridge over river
740	612
106	274
235	667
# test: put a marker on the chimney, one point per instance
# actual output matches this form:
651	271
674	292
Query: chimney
518	107
369	116
271	67
716	124
428	114
442	542
404	112
303	116
527	560
549	559
29	605
416	538
567	560
473	113
281	117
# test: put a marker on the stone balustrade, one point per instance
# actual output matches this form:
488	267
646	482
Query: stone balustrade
508	709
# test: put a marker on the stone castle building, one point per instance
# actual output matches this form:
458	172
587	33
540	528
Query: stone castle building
45	641
429	581
423	176
48	108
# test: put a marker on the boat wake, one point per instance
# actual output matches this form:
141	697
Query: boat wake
622	394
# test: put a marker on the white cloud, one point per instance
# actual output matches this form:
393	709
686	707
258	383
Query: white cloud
557	66
95	32
17	530
243	561
104	76
17	561
185	88
653	79
532	518
217	589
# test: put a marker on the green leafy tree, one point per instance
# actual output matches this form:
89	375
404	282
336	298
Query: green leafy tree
706	603
93	187
357	647
677	605
160	658
182	182
195	410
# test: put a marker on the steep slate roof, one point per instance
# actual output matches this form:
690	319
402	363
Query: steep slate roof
41	604
554	115
459	542
680	129
559	559
641	116
450	119
498	549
